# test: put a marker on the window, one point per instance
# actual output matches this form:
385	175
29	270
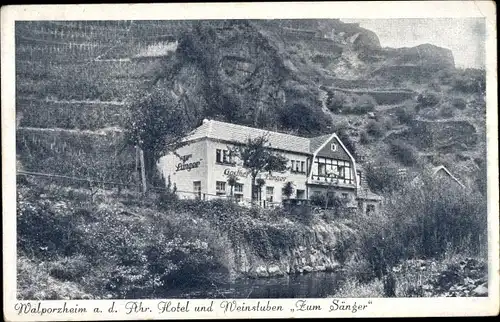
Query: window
298	166
269	194
197	189
218	156
223	156
370	209
220	188
238	187
332	170
333	147
344	195
321	169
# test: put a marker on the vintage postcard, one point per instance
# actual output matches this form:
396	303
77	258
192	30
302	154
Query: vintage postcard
249	160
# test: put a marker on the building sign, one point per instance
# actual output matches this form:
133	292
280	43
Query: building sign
238	173
185	165
271	177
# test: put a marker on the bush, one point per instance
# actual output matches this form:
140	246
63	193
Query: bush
383	178
339	102
405	115
428	99
364	104
364	138
46	229
429	220
302	214
168	197
347	141
469	81
446	111
336	101
305	119
375	129
459	103
403	152
328	201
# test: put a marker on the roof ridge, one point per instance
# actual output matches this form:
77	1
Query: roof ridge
256	128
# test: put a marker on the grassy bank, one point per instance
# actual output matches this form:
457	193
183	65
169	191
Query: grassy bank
453	276
429	240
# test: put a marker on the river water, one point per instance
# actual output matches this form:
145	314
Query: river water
312	285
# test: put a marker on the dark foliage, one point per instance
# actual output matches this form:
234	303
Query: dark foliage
428	99
375	129
404	153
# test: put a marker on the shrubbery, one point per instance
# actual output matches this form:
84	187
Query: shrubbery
131	256
446	111
428	99
339	102
375	129
404	153
364	138
405	115
383	178
469	81
459	103
430	219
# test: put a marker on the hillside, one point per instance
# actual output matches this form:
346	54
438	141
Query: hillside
302	76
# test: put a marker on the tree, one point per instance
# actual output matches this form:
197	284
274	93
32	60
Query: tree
257	156
288	189
260	183
232	180
156	125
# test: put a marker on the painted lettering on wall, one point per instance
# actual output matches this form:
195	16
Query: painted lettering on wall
238	173
184	165
246	173
274	178
185	158
187	166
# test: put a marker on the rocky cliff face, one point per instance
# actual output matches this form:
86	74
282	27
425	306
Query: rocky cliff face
314	249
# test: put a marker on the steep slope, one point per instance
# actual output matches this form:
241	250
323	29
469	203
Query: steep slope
307	77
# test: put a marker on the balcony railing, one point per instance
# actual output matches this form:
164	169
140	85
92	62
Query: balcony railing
315	179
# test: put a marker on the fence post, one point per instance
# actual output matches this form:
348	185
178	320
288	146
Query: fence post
143	171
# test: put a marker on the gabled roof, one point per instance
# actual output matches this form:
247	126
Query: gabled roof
317	141
435	170
230	132
238	133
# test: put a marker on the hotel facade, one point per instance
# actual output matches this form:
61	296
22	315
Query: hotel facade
319	165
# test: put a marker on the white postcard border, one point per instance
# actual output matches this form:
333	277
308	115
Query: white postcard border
378	307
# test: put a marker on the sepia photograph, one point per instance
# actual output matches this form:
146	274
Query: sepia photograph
283	158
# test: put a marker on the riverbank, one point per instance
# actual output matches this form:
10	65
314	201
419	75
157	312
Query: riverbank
78	243
72	244
454	276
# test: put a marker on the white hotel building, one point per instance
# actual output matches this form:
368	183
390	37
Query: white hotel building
318	165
